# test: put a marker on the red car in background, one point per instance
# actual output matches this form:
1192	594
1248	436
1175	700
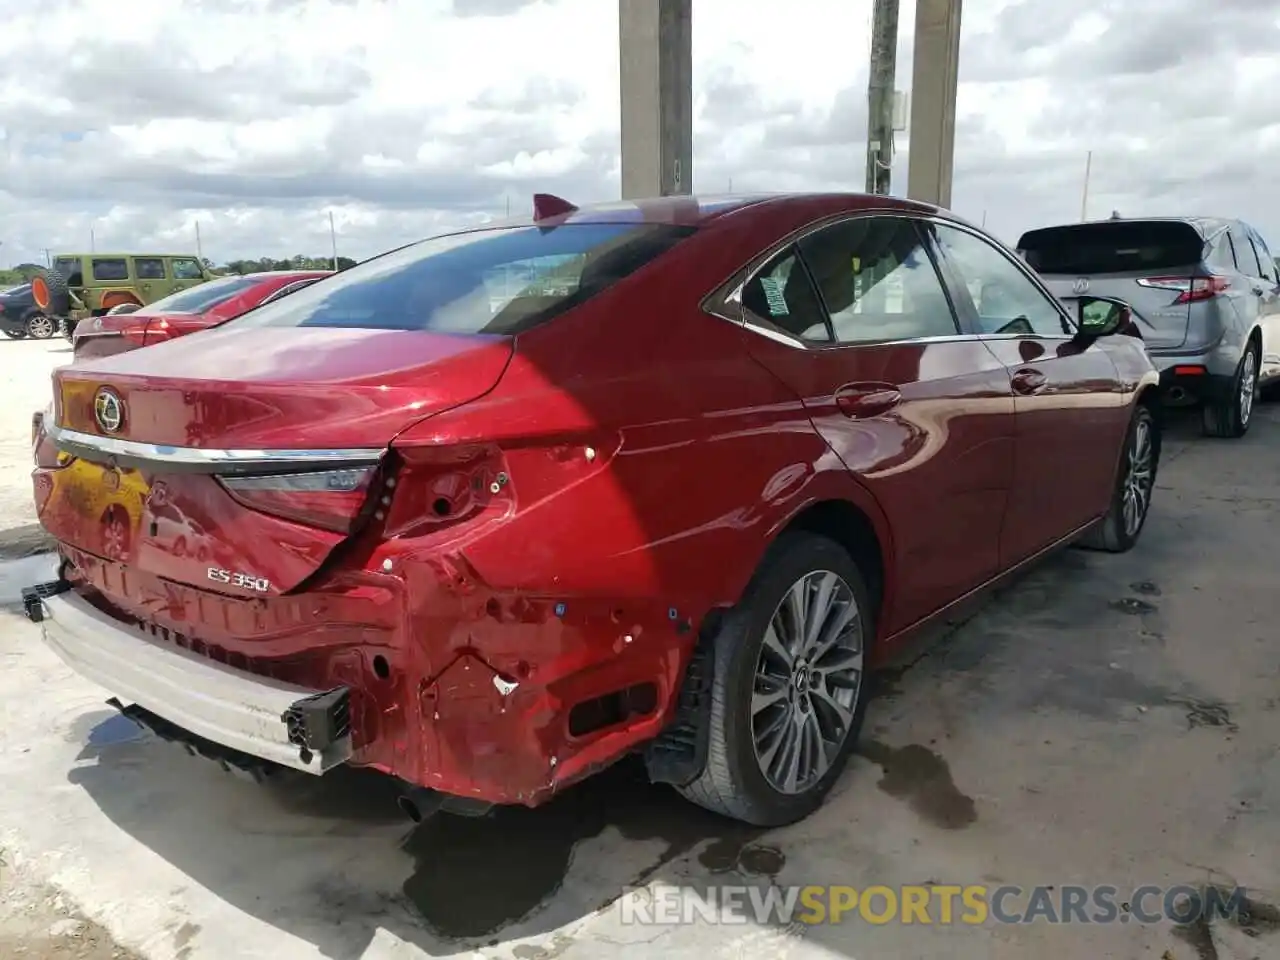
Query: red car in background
185	311
493	510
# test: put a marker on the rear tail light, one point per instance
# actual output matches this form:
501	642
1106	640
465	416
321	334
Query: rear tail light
329	499
143	332
1190	289
156	331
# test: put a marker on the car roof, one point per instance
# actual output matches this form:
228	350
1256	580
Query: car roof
700	209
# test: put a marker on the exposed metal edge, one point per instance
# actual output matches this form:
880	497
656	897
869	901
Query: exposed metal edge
132	453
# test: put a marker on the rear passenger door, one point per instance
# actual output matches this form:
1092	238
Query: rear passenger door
153	283
858	324
1070	415
110	274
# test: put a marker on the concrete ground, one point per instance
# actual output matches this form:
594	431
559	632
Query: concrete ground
1108	720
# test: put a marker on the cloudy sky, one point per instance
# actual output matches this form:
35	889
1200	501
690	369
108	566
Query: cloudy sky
134	120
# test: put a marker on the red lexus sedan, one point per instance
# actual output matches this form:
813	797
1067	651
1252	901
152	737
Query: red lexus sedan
185	311
492	510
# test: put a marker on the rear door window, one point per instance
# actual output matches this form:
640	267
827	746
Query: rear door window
149	268
110	268
877	281
1245	259
1221	252
490	281
1264	256
1120	246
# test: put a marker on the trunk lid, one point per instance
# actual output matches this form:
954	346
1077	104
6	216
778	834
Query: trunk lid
1149	264
210	477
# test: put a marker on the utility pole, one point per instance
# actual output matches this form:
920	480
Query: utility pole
880	95
1084	198
93	241
333	241
199	248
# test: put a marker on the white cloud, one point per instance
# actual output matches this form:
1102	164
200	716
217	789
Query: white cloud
406	117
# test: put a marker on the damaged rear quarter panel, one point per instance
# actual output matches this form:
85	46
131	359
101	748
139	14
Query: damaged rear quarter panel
649	462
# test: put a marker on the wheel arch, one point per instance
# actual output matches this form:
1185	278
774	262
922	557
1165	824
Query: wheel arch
849	526
114	298
1149	397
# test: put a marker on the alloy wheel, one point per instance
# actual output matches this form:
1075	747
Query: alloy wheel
40	327
807	683
1248	386
1138	479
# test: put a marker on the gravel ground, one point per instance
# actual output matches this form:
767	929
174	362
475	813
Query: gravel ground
25	389
37	923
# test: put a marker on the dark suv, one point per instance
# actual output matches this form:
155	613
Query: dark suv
1205	294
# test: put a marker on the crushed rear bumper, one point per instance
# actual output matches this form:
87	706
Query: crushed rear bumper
307	730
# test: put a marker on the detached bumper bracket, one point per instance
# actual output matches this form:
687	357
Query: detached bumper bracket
317	722
33	596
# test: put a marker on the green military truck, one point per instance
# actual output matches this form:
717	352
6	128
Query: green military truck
80	285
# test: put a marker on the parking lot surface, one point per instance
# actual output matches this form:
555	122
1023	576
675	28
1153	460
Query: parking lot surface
1107	720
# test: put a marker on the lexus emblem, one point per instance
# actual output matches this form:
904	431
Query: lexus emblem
1081	285
108	409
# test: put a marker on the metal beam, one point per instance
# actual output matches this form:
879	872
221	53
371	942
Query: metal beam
655	46
934	80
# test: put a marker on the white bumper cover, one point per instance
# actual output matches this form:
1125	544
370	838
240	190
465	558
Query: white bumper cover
229	707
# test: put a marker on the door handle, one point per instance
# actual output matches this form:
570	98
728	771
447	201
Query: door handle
1028	382
857	400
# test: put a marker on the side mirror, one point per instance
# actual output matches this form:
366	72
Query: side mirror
1097	317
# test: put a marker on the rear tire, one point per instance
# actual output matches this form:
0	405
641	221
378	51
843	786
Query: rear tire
15	334
785	717
40	327
1229	417
1120	529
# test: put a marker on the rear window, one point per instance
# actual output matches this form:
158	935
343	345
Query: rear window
204	297
499	281
1113	247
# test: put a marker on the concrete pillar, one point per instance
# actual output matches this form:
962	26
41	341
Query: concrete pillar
934	78
655	45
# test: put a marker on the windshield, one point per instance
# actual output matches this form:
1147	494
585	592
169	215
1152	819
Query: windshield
1113	247
204	297
498	281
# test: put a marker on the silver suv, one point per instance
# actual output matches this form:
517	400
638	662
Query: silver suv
1205	295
